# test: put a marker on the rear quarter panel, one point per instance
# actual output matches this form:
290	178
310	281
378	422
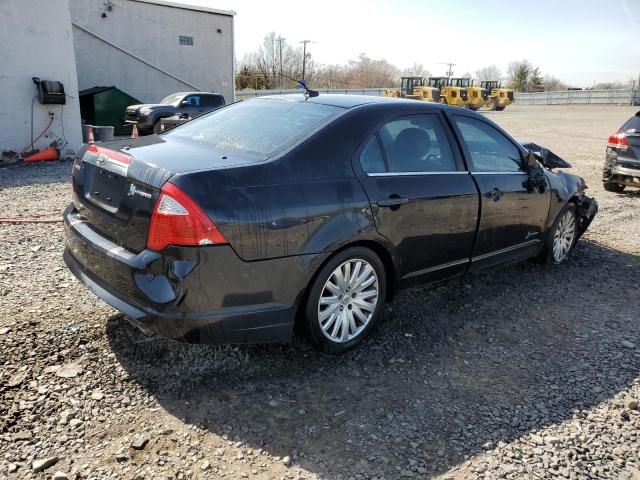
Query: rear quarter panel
305	201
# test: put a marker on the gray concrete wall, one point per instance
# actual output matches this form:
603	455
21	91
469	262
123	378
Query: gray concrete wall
36	41
136	48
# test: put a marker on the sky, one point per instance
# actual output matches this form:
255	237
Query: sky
581	42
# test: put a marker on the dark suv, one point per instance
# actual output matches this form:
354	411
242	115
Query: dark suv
147	116
622	164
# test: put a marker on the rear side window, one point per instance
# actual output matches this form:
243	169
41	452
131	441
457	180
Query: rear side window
490	150
371	157
632	124
258	126
211	101
417	143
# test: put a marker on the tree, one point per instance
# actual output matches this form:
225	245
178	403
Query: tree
416	70
274	56
519	74
553	84
535	82
369	73
492	72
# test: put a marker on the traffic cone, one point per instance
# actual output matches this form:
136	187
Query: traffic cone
134	131
50	153
90	138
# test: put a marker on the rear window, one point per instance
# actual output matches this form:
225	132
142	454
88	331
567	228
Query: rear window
632	124
258	126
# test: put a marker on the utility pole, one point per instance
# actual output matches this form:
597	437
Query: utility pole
304	57
450	65
280	39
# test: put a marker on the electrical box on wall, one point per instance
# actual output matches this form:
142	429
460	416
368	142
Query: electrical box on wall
50	92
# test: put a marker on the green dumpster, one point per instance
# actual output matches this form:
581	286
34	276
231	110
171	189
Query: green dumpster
106	106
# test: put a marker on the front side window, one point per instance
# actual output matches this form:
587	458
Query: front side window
192	100
258	126
490	150
417	143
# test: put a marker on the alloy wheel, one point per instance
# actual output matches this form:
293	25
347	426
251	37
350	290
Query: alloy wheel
564	236
348	300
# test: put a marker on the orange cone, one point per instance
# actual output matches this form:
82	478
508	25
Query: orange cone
50	153
134	131
90	138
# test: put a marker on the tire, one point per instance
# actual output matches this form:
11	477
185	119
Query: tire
492	104
613	187
555	237
157	127
343	328
499	109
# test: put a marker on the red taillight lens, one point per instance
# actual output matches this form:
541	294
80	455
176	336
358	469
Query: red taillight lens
618	140
177	220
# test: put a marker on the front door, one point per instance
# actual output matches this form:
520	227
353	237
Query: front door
422	198
512	218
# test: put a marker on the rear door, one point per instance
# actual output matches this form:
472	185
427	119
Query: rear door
512	219
423	200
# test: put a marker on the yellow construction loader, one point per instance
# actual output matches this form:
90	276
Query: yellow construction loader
449	94
499	97
476	96
415	88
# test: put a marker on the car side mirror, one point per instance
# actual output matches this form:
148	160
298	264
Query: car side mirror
532	159
536	180
185	103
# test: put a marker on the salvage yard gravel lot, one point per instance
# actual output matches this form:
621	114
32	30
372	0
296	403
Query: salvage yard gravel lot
526	372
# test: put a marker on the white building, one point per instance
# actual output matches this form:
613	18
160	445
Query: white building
150	48
146	48
36	41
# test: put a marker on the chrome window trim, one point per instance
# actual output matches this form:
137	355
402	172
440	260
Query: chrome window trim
499	173
406	174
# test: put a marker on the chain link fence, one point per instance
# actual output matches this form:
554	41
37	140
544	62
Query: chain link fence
576	97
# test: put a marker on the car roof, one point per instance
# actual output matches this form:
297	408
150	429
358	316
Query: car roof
349	101
196	93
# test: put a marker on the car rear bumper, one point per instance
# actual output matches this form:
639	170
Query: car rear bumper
623	175
192	294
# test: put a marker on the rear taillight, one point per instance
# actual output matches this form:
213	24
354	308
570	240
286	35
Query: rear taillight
618	140
177	220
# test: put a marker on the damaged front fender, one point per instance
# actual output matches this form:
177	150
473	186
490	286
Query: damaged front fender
587	208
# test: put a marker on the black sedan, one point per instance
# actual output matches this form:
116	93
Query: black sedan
289	211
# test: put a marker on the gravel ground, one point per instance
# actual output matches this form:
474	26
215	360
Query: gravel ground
526	372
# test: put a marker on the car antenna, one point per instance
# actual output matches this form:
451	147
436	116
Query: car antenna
303	85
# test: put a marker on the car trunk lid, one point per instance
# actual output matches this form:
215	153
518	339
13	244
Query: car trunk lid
116	184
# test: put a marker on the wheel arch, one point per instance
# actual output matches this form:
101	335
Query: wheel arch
386	257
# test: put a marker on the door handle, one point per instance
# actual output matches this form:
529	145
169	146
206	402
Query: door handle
494	194
394	202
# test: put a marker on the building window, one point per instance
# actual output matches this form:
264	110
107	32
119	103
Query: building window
183	40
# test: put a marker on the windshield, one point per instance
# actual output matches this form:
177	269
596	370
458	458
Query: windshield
171	99
258	126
